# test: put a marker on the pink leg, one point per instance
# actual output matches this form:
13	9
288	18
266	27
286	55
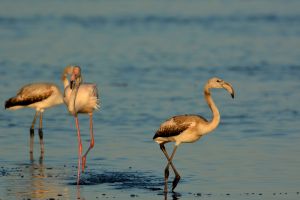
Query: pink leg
92	142
79	149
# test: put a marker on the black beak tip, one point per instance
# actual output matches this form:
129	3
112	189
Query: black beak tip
232	95
71	85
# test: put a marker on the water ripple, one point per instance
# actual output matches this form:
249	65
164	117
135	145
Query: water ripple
91	21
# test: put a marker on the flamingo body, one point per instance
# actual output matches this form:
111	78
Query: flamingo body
36	95
179	129
87	99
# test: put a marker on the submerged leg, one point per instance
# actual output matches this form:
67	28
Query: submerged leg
32	132
41	133
92	141
177	176
79	149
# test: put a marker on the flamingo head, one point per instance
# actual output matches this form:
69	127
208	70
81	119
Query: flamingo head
75	75
219	83
76	78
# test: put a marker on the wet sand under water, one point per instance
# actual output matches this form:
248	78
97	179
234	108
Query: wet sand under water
38	181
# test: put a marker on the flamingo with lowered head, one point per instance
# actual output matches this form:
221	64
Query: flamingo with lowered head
80	98
39	96
189	128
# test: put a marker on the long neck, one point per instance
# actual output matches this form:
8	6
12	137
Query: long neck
65	81
72	95
72	101
215	112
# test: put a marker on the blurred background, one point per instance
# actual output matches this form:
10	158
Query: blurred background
150	60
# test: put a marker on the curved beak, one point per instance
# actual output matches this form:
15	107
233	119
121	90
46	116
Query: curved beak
72	85
229	88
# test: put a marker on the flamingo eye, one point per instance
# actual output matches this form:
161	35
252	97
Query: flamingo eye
218	81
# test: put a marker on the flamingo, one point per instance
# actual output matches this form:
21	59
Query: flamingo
189	128
38	96
80	98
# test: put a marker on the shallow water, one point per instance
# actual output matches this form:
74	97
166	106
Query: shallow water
150	60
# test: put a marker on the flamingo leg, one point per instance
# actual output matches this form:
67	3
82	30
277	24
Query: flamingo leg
32	131
92	142
41	133
177	176
79	149
162	147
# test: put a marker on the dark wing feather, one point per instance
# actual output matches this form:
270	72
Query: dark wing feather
169	131
30	94
176	125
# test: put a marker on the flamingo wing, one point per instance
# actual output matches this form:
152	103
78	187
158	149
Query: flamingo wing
30	94
176	125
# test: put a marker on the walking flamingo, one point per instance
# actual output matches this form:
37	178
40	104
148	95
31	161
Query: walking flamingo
80	98
189	128
39	96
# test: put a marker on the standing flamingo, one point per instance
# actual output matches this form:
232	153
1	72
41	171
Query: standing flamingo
80	98
39	96
189	128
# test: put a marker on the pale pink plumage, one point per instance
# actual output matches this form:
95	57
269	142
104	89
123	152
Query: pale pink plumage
80	98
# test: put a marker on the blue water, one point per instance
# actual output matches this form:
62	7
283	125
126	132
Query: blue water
150	60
